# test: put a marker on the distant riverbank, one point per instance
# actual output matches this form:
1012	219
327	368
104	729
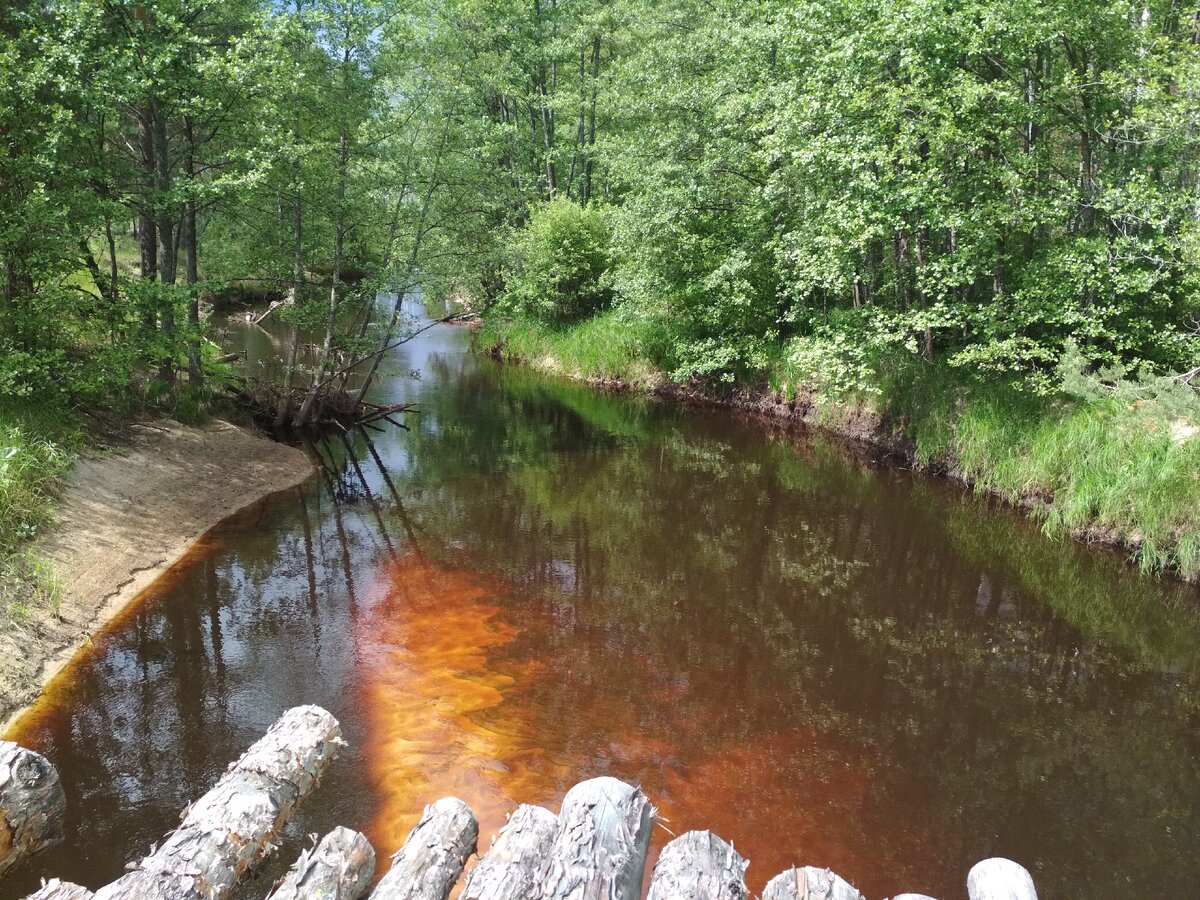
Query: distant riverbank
123	519
1113	464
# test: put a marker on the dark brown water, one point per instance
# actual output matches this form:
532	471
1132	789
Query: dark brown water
825	662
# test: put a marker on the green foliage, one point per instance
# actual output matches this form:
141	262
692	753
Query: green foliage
559	263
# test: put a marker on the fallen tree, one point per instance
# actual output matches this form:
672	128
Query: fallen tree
340	867
432	858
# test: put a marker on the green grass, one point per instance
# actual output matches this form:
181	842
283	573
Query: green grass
606	346
1114	460
37	446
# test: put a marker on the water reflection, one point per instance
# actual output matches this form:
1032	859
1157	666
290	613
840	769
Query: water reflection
825	662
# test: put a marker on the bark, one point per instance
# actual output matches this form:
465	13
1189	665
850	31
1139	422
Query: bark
1000	879
32	805
591	139
232	827
60	890
147	236
809	883
339	868
168	259
699	866
432	859
513	865
601	844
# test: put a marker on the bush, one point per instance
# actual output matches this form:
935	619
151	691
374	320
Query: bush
559	263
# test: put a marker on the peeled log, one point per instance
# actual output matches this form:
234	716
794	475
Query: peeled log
600	849
60	890
1000	879
699	866
432	859
230	828
912	897
338	868
513	865
810	883
32	805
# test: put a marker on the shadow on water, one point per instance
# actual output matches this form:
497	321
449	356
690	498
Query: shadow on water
823	661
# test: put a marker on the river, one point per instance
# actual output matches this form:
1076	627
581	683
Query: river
824	660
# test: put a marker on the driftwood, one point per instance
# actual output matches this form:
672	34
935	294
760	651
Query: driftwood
230	828
809	883
699	866
433	856
32	805
513	865
1000	879
60	890
331	406
601	844
912	897
338	868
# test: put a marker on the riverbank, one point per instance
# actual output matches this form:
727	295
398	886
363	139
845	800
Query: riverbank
1108	462
123	518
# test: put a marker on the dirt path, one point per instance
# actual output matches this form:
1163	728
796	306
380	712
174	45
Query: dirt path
124	519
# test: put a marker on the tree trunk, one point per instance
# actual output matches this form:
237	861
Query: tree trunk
339	241
512	866
432	859
60	890
1000	879
699	866
32	805
231	828
601	845
147	238
591	139
168	259
809	883
192	262
339	868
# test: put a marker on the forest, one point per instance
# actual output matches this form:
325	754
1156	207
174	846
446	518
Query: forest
978	221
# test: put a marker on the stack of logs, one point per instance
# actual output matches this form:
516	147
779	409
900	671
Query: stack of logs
594	849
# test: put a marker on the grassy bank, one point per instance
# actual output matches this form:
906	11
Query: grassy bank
1105	456
38	443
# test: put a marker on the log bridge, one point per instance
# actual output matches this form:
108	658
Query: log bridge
595	848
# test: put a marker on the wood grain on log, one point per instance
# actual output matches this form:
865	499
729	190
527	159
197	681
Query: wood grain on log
601	844
339	868
513	866
230	828
912	897
433	856
32	805
699	866
1000	879
809	883
60	890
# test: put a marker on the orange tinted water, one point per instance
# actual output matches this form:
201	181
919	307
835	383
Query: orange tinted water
824	662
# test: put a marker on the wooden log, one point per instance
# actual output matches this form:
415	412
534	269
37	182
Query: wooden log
513	866
810	883
230	828
600	848
1000	879
339	868
33	805
60	890
699	866
433	856
912	897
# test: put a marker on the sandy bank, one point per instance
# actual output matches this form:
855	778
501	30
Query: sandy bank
123	519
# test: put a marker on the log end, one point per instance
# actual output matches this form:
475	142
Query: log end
699	865
33	804
1000	879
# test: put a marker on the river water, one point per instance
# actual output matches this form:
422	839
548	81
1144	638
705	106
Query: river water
825	661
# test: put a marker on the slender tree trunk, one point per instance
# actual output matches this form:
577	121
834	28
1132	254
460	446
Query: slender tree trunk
167	250
339	239
192	263
591	137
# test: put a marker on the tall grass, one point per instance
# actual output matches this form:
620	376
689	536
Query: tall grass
37	445
608	345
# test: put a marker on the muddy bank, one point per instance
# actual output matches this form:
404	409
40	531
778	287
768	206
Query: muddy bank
123	519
